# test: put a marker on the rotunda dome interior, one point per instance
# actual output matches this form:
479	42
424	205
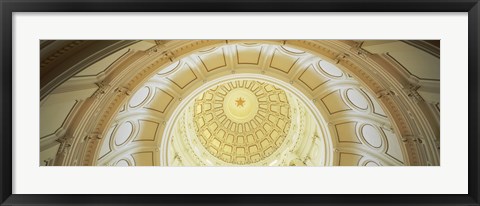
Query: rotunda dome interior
240	103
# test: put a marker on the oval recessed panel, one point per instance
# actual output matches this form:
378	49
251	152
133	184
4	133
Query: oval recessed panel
139	97
357	99
372	164
123	133
122	163
372	136
330	69
292	50
169	68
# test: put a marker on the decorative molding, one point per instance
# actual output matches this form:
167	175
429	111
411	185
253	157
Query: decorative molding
123	90
424	46
358	50
341	57
61	51
412	92
103	87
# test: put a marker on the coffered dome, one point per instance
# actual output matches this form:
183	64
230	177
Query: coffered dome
243	102
242	122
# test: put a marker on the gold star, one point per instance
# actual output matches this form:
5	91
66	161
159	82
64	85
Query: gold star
240	102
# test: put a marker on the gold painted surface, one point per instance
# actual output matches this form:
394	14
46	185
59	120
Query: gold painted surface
242	122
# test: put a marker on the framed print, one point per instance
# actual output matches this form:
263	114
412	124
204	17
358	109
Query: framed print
155	102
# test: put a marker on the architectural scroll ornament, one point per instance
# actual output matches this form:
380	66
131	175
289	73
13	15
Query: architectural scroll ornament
103	87
340	57
358	50
123	90
384	93
412	92
60	52
65	145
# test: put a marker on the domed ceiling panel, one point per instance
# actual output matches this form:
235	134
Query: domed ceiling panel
148	130
334	102
282	62
242	122
183	76
349	159
228	105
346	132
213	60
143	159
248	54
161	102
311	78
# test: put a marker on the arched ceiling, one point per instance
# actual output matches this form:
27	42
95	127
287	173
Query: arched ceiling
344	112
244	121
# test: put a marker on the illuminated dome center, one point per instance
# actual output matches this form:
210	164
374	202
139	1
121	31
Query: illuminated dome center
242	122
240	105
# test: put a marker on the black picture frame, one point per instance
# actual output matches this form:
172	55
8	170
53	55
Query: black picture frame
9	6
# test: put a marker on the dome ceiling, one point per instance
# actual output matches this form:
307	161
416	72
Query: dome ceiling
242	122
328	102
224	106
208	108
